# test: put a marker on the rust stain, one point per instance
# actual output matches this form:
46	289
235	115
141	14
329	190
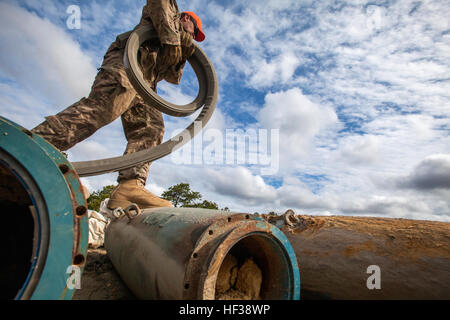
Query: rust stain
356	249
76	251
311	224
315	253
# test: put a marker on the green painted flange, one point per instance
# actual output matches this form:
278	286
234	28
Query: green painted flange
61	215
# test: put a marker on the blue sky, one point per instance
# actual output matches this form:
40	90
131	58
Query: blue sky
359	92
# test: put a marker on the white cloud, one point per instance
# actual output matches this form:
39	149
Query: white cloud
20	106
173	94
393	206
156	189
98	182
360	149
280	70
239	182
90	150
45	61
431	173
359	92
296	195
297	117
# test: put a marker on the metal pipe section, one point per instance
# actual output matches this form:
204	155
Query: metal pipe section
176	253
343	257
44	218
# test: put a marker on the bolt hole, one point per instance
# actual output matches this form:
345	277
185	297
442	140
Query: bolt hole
186	286
81	210
64	168
210	232
195	255
78	259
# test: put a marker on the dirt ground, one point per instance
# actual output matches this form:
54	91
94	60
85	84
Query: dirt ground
100	281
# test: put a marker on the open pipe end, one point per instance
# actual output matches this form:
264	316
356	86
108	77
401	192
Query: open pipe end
255	268
39	194
20	234
251	260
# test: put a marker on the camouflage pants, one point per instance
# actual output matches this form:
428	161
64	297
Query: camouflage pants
111	96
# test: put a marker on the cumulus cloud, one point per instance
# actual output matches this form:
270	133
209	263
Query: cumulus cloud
174	94
20	106
45	61
280	70
97	183
430	174
358	90
392	206
362	149
91	150
295	194
297	117
241	183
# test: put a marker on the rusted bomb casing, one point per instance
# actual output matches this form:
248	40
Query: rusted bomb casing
176	253
337	256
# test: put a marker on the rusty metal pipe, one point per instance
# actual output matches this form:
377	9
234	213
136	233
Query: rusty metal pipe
335	254
176	253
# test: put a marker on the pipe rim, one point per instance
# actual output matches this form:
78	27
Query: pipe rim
68	233
248	226
41	222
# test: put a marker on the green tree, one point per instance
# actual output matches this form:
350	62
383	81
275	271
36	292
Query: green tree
181	195
205	204
96	198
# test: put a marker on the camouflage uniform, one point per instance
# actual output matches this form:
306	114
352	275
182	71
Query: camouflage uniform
112	95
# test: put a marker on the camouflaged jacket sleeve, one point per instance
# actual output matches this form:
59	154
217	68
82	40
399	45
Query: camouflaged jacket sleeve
165	17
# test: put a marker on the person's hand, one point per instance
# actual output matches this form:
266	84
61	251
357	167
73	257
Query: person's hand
148	60
187	46
171	54
185	39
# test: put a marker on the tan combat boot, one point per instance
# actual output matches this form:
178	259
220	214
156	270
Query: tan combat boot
133	191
